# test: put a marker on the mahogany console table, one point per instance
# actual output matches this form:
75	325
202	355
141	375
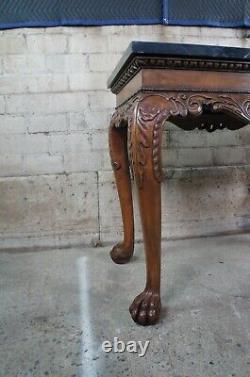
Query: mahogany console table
205	87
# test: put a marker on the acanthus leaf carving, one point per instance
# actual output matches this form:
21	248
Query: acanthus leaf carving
153	109
152	115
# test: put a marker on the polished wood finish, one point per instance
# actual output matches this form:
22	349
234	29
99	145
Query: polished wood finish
122	252
185	80
205	99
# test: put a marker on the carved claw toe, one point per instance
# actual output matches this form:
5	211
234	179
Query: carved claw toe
145	309
121	254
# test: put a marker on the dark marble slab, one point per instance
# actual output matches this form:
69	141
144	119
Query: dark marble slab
178	50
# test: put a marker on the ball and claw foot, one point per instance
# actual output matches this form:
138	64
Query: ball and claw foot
145	309
121	254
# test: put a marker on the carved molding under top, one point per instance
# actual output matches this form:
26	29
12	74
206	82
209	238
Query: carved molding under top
149	111
165	62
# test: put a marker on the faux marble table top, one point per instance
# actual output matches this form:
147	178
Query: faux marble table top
178	50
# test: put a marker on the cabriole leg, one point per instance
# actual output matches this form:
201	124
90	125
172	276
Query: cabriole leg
123	251
146	157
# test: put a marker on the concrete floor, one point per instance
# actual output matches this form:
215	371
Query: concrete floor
58	306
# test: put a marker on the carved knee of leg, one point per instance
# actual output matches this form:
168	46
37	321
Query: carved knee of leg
146	152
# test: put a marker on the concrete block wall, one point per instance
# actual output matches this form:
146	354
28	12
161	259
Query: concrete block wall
56	183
